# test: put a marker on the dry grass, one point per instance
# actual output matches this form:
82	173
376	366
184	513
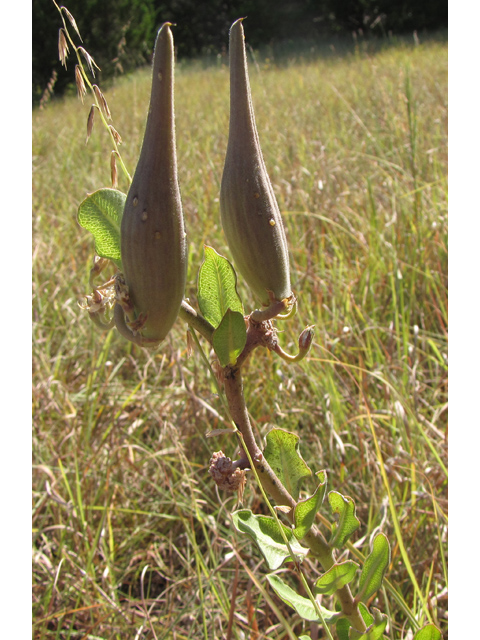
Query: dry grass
130	538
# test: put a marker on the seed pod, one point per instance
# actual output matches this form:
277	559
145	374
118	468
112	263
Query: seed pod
153	239
250	215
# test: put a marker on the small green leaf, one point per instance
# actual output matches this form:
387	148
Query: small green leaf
281	452
374	568
230	337
101	213
374	630
306	510
217	287
342	628
336	577
266	533
303	606
347	523
366	615
428	632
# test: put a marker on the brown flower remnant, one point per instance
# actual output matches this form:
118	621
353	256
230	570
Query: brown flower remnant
226	474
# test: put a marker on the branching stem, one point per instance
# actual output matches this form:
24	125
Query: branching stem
262	334
314	539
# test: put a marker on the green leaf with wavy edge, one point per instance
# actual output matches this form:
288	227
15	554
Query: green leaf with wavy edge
303	606
342	628
306	510
375	628
266	533
336	577
344	625
428	632
374	568
101	213
282	454
347	523
217	287
229	337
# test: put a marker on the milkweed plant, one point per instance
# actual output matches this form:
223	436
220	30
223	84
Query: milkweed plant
142	235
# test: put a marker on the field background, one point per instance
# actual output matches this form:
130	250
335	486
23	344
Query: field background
130	537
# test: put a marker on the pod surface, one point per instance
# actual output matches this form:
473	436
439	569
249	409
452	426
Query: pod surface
153	239
250	215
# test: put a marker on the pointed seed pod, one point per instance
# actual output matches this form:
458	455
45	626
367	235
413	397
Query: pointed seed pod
250	215
153	239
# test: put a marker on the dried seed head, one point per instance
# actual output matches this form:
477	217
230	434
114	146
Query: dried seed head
102	102
47	94
81	89
113	169
98	93
62	48
90	119
72	21
116	136
89	60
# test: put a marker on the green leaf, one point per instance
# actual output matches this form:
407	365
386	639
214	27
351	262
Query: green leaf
342	628
266	533
336	577
374	630
429	632
217	287
303	606
366	615
347	523
374	568
306	510
281	452
101	213
230	337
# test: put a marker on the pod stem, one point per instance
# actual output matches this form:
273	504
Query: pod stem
196	321
276	309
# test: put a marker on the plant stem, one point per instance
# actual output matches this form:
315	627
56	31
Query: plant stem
196	321
272	485
314	539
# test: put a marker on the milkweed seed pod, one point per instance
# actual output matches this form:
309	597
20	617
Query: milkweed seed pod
153	239
250	215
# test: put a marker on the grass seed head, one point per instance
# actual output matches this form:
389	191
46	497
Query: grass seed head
72	21
89	60
62	47
90	120
79	81
116	136
102	102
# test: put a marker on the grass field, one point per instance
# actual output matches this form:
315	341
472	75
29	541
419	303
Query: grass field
130	537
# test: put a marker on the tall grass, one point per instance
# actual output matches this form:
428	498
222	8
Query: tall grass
131	539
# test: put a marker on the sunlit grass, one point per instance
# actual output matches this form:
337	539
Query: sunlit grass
129	532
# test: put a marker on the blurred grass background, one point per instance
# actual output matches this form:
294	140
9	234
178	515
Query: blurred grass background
130	537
